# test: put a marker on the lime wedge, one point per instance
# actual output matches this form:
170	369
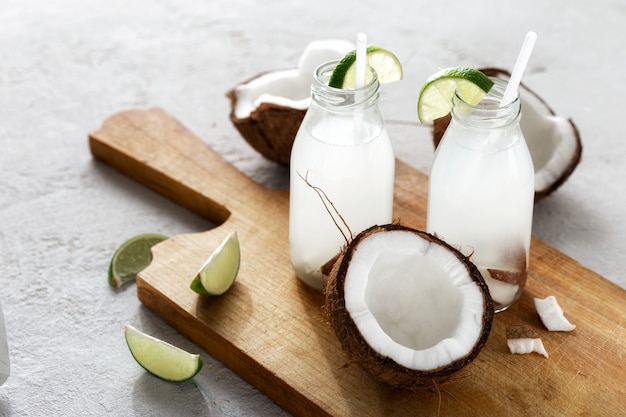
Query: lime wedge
132	257
218	273
435	99
160	358
384	62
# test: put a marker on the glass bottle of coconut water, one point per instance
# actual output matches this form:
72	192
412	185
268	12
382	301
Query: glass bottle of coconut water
341	173
481	192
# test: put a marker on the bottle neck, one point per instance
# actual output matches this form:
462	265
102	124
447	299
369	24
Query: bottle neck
342	100
488	114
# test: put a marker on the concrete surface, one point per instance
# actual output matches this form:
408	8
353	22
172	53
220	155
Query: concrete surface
66	65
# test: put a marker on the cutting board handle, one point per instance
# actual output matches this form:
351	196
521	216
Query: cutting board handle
156	150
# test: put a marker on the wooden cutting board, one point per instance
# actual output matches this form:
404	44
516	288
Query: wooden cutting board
271	330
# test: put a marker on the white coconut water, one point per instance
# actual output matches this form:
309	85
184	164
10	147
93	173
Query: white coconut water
356	178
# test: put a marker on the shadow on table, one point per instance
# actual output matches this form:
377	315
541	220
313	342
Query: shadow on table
5	407
115	185
567	219
155	397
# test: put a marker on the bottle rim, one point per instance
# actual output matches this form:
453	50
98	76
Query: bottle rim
341	99
488	111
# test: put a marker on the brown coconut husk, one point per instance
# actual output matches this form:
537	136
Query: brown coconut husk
440	125
383	368
270	129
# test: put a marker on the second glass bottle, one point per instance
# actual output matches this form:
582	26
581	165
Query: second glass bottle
342	170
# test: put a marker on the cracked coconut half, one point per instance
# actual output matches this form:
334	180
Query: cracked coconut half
268	109
554	142
407	307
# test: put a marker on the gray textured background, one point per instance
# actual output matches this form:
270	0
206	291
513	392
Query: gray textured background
67	65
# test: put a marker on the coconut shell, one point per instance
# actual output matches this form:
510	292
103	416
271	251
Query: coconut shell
383	368
270	129
521	331
440	125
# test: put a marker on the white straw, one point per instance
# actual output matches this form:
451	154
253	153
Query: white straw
518	70
361	42
360	63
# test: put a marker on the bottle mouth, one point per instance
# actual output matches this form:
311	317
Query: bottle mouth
340	98
492	100
489	110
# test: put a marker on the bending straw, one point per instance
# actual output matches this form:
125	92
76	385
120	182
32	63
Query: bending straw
518	70
361	65
361	42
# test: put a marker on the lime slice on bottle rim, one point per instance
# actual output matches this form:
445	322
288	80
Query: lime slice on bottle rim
132	257
435	98
384	62
160	358
219	272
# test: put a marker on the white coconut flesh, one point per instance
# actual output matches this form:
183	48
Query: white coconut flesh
285	88
413	300
288	88
552	140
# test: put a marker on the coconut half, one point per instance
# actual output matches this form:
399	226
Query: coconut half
407	307
554	142
268	109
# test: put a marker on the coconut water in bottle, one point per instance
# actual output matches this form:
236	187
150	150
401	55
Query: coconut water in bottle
341	173
481	191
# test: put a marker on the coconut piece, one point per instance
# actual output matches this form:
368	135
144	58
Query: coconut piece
408	308
522	339
502	292
505	283
268	109
554	142
551	315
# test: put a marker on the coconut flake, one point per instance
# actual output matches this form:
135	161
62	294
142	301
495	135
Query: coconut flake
522	339
551	315
526	345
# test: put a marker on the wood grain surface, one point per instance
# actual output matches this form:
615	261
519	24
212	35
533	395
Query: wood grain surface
271	329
